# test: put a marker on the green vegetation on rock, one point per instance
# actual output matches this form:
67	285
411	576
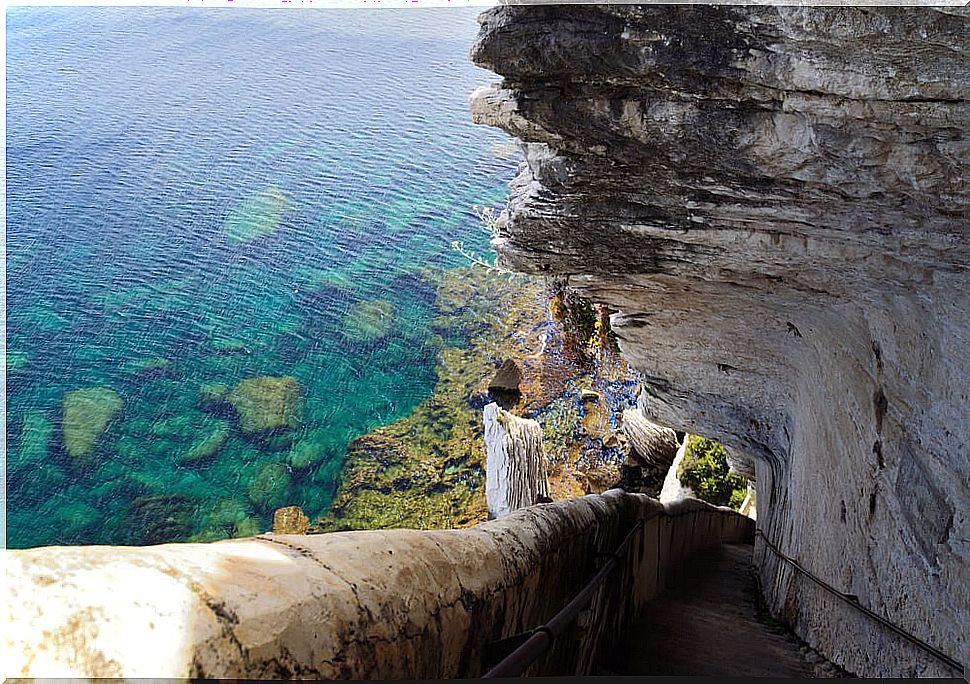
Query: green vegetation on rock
705	470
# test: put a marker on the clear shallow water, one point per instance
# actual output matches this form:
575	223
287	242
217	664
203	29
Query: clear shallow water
198	197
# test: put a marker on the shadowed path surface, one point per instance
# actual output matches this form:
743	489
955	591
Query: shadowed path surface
706	623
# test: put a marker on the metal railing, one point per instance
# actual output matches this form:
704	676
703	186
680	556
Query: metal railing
530	645
540	639
853	601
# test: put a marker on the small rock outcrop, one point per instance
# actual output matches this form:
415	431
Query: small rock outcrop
775	201
504	387
206	447
290	520
515	463
507	378
652	449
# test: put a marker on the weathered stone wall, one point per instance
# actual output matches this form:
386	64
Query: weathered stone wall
394	604
776	200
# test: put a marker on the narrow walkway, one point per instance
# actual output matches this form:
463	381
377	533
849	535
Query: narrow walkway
706	623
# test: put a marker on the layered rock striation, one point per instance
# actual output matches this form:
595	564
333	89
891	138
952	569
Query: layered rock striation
775	199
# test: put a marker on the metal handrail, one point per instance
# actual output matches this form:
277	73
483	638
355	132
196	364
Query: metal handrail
541	637
853	601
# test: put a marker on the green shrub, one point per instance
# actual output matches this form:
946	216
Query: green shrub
705	470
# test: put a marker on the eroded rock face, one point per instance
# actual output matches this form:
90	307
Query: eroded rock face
775	199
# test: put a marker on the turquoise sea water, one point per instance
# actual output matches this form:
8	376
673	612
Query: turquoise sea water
196	197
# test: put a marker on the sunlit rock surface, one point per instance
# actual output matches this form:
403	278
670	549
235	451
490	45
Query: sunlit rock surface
396	604
776	200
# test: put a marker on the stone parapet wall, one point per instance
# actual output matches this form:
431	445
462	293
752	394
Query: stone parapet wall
372	604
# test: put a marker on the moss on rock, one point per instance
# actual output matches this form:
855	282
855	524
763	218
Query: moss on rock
290	520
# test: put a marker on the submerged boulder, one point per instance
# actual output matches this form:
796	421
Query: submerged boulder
35	436
269	486
309	450
158	519
257	216
267	403
368	321
207	447
86	415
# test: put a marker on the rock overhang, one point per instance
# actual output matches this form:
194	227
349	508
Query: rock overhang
776	201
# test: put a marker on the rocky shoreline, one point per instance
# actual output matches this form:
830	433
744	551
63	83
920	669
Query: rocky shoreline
427	470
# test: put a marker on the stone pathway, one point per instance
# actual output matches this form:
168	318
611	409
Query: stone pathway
707	623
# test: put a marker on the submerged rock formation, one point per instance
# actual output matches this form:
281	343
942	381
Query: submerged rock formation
427	469
775	199
85	416
267	403
368	321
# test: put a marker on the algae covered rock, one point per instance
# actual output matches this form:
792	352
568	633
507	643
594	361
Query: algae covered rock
35	436
257	216
269	486
73	518
207	447
368	321
267	403
290	520
213	397
86	415
158	519
177	428
249	527
226	519
309	450
146	369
